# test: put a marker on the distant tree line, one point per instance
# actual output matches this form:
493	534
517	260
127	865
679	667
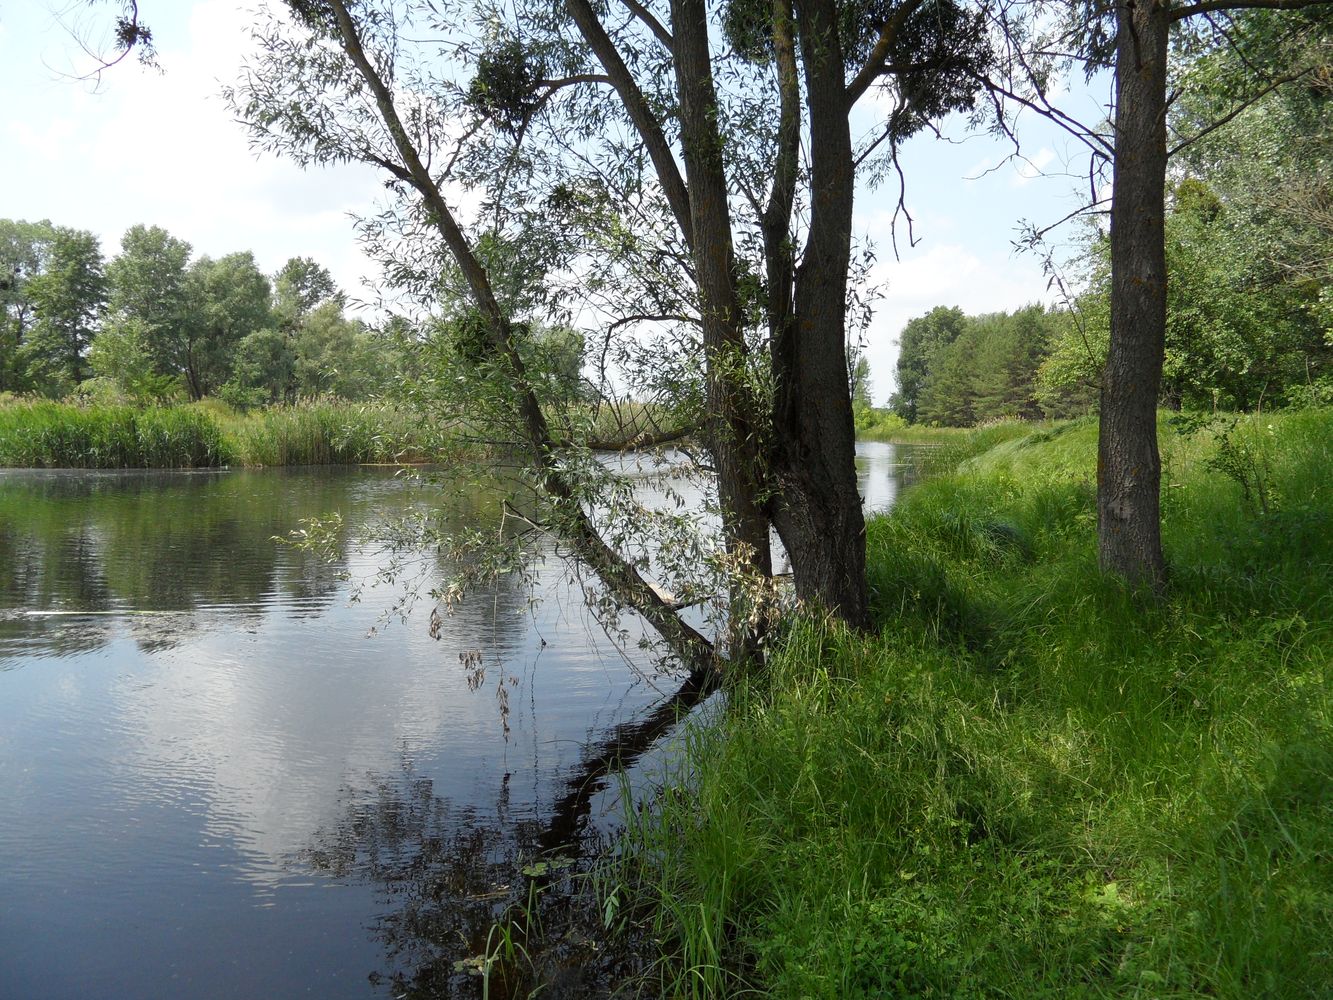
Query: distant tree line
1249	227
153	323
957	370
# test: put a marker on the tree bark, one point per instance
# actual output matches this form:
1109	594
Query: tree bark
816	506
1129	468
732	437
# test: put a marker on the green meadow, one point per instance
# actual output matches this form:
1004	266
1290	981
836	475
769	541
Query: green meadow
1028	781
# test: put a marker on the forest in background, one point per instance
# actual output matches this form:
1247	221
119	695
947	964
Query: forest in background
1250	303
153	325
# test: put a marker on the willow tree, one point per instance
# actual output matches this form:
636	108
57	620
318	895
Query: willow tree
693	200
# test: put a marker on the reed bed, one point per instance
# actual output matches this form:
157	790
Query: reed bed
43	434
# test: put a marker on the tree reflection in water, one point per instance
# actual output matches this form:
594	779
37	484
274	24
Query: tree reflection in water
450	876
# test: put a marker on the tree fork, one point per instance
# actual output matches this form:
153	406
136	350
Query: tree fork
732	436
817	507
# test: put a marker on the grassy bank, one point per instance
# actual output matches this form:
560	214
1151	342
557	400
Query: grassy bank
1028	783
210	434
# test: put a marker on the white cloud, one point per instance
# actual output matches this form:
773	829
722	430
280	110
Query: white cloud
162	149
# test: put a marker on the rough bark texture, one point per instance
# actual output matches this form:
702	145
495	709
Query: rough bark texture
1129	468
816	507
732	437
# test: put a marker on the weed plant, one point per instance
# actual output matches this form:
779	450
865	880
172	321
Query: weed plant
1029	781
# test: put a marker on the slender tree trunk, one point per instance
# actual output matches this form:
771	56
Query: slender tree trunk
1129	469
570	518
817	508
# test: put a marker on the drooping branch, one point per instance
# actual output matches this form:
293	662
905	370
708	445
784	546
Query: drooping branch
575	525
645	440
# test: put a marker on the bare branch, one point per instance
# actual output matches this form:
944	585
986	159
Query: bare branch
654	25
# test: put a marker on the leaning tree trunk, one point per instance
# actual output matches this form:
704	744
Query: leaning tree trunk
1129	469
817	508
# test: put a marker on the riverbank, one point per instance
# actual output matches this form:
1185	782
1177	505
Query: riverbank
1028	782
45	434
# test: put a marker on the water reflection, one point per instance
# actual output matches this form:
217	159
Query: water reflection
214	782
883	469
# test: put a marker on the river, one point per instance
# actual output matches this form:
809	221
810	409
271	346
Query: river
222	777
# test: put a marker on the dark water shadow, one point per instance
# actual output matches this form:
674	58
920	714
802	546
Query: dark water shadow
455	880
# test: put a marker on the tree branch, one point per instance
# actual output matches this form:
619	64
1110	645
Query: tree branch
1239	109
875	62
1208	6
654	25
628	584
645	122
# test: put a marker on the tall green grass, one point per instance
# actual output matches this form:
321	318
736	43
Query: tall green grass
55	435
58	435
327	434
1029	782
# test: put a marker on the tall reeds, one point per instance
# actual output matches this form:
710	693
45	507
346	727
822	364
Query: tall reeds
44	434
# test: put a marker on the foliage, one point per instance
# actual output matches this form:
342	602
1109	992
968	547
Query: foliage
52	292
120	356
154	325
44	434
68	297
877	423
1026	783
226	300
956	370
148	287
919	344
1239	335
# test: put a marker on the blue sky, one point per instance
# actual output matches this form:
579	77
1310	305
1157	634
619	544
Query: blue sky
161	149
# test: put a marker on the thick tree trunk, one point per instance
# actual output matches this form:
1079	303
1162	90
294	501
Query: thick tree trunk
816	508
732	437
1128	465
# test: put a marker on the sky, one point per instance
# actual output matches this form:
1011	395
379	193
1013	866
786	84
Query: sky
161	149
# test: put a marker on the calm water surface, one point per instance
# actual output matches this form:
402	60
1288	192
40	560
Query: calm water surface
220	778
